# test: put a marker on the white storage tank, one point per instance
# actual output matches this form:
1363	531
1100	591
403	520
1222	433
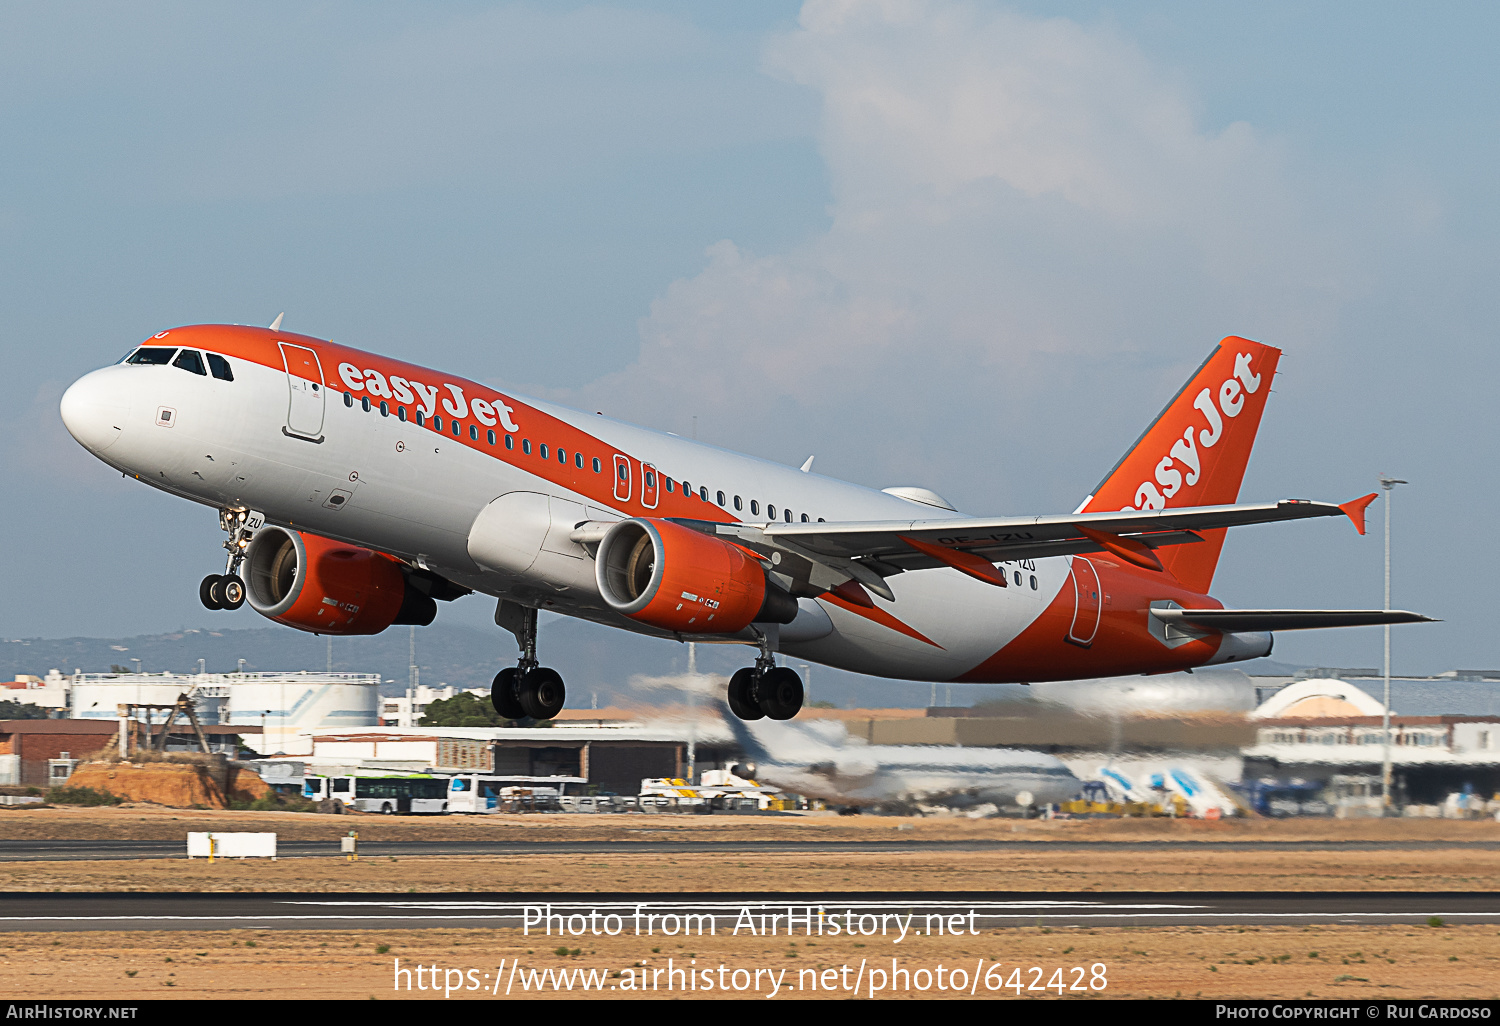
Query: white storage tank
96	696
290	705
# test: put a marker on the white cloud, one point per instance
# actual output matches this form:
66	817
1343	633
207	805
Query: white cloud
1007	191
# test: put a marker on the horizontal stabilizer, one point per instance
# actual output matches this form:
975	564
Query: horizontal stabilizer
1233	620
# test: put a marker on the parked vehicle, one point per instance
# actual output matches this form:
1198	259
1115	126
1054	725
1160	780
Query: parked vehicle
389	793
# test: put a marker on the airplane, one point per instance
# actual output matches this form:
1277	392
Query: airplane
358	491
816	760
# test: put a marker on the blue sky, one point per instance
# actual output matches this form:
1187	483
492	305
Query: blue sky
964	245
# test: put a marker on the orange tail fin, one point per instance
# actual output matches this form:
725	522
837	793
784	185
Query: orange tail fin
1195	452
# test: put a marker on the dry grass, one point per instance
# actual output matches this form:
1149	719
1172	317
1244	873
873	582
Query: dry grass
153	822
1041	870
1352	963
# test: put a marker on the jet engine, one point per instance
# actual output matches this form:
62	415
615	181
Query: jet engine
326	587
673	577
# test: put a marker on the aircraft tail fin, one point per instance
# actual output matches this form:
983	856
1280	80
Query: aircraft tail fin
750	746
1196	451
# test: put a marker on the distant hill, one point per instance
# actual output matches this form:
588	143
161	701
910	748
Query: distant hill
595	661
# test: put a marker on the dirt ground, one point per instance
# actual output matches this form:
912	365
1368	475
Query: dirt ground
153	822
1386	962
1043	870
1393	962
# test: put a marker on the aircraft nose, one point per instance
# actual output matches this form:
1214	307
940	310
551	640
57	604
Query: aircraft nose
94	409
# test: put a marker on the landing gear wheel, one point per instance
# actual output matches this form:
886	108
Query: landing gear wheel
231	591
208	592
542	693
742	695
780	693
503	694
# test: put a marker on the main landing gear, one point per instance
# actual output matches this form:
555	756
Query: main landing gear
227	590
527	689
765	689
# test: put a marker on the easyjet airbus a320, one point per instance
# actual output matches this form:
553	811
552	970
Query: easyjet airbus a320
359	491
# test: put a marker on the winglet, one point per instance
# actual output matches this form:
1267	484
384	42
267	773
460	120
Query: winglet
1354	509
276	324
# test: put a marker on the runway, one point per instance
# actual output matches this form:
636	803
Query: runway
74	850
866	913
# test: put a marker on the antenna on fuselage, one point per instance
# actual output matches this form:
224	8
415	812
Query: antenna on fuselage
276	324
807	467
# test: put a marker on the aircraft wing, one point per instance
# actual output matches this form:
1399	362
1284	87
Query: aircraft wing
868	551
1285	619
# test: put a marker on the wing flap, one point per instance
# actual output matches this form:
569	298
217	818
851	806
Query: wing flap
1004	538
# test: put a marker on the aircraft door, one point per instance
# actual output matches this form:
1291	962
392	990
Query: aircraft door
649	478
622	478
1085	602
304	380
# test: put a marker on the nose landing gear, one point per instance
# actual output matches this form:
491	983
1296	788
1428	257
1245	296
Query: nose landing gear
227	590
525	689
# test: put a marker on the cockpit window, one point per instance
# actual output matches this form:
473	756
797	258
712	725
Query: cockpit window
220	367
152	355
189	360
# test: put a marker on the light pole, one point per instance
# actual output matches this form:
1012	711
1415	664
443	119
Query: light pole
1387	483
692	702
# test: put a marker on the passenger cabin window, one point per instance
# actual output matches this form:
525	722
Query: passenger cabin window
721	498
804	518
490	436
454	425
219	366
543	451
650	479
348	400
687	489
770	511
364	403
738	504
669	483
189	360
385	411
703	492
152	356
510	441
598	467
754	508
562	456
473	432
578	460
788	515
421	418
526	446
401	413
437	423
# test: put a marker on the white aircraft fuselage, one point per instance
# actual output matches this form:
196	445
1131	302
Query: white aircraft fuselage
447	478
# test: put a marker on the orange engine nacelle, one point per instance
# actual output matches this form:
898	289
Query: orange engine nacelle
679	579
327	587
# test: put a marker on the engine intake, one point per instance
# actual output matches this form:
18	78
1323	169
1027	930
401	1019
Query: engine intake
678	579
326	587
